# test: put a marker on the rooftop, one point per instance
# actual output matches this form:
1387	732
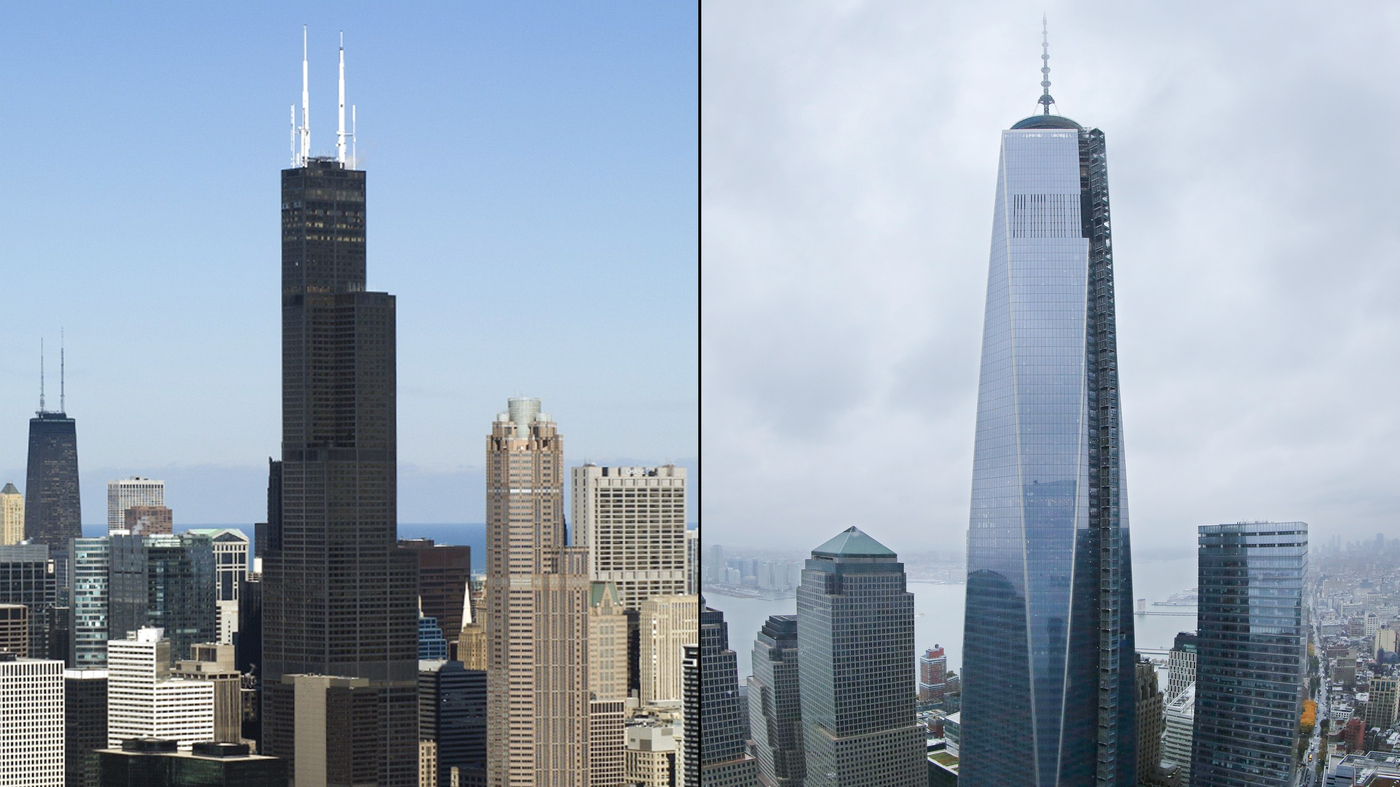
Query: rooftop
851	542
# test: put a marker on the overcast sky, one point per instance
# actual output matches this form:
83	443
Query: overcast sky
849	155
532	177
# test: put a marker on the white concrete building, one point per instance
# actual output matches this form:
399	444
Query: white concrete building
143	701
128	492
31	722
632	520
1176	742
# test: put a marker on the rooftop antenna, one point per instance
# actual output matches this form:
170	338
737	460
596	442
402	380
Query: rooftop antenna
61	408
340	126
354	155
1045	99
41	374
305	104
294	135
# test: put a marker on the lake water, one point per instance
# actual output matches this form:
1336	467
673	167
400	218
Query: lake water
938	612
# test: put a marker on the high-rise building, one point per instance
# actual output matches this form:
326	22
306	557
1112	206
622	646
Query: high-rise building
607	644
1251	658
14	630
91	567
231	547
688	752
28	577
537	593
855	631
1176	741
692	562
714	568
1048	631
607	742
52	510
129	493
432	645
84	724
165	582
471	641
443	574
668	623
632	520
1181	664
160	763
452	714
11	515
336	720
31	723
775	710
722	757
338	593
144	701
933	674
148	520
1382	702
1149	721
650	757
213	662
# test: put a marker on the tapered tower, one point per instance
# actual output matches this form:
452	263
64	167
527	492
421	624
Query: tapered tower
1048	662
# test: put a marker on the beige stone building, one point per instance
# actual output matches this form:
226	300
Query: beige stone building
652	756
632	521
667	624
607	643
11	515
213	662
471	641
607	742
1382	703
537	594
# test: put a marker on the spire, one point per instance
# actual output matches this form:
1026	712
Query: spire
340	126
305	103
1045	99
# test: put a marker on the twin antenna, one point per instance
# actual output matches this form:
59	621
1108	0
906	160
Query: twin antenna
301	134
61	407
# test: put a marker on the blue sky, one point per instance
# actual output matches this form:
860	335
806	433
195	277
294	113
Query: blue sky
532	203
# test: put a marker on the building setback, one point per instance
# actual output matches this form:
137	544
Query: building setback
775	711
338	593
31	723
144	701
723	761
855	631
85	724
1251	653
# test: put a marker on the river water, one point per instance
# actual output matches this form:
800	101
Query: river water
938	612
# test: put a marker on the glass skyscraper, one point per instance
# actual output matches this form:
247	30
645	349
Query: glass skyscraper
1048	661
1251	653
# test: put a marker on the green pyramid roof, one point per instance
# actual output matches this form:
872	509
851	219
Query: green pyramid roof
9	489
851	542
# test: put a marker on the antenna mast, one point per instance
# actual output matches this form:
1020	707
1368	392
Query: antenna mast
61	407
340	125
294	135
354	155
1045	99
41	374
305	104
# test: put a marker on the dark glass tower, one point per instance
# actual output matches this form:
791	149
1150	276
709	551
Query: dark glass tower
1048	694
163	581
723	759
338	594
52	511
775	712
1251	653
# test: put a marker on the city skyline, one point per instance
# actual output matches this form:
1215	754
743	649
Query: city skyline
509	145
853	203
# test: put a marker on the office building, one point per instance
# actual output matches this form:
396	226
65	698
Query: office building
855	631
84	724
537	594
692	562
715	566
231	548
775	709
933	674
11	515
145	701
52	510
14	630
1176	741
338	593
668	623
28	577
91	569
1251	655
471	640
336	723
132	492
719	750
650	756
607	742
165	582
1149	725
431	643
688	752
148	521
213	662
443	574
31	722
452	714
1382	702
1048	694
1181	664
632	520
152	762
607	643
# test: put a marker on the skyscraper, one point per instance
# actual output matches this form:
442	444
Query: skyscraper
1149	722
52	510
11	515
775	712
31	725
537	594
632	520
443	573
91	580
1048	633
84	724
855	631
452	714
27	577
1176	741
165	582
1181	664
231	549
128	493
667	624
1251	657
933	674
723	761
144	701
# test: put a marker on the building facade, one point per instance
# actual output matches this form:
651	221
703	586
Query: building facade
668	623
650	757
1382	702
719	750
607	742
632	520
11	515
1181	664
52	510
28	577
165	582
14	630
443	574
338	593
91	565
213	662
607	644
1149	726
130	492
1176	740
148	520
84	724
145	701
31	723
231	553
537	593
775	705
855	631
1048	628
1251	654
933	674
452	714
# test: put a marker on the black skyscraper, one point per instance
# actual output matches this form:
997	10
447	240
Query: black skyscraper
52	514
338	594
